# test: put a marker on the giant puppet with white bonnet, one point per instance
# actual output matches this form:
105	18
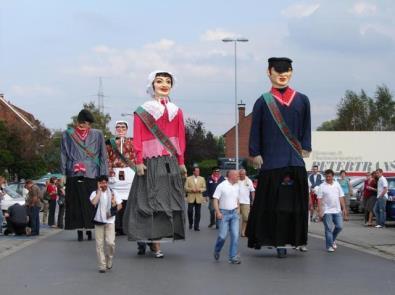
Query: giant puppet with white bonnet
121	167
155	209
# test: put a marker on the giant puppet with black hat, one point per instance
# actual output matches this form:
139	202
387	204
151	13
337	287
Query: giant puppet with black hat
121	167
155	208
83	159
280	138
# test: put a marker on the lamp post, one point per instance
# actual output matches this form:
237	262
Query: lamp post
235	40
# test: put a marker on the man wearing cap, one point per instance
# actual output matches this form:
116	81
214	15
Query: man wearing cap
121	164
280	138
83	159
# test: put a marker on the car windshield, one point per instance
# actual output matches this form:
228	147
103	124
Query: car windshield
13	194
391	184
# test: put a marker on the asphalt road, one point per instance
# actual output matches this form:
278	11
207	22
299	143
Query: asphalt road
61	265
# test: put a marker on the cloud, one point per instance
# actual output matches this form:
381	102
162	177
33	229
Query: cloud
217	35
300	10
163	44
32	90
364	9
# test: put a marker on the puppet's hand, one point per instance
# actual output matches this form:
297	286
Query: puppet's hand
140	169
257	162
183	169
305	154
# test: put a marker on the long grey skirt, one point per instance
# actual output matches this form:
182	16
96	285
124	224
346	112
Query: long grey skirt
156	206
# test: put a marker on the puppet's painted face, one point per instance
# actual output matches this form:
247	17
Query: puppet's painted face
83	125
121	130
162	86
279	80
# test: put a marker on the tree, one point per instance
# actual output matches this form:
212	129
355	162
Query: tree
362	113
201	145
101	119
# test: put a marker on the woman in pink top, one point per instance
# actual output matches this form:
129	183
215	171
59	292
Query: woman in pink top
155	210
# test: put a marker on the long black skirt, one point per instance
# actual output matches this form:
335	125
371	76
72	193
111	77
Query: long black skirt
156	205
79	209
279	214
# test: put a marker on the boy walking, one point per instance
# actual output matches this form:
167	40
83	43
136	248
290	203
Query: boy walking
107	203
226	205
332	209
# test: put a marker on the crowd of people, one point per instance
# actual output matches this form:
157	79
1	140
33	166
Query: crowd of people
140	187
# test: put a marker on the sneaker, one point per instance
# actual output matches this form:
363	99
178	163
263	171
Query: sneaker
102	270
216	256
378	226
303	249
159	254
235	260
330	249
334	245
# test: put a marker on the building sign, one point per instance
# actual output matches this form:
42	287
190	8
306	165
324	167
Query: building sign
357	152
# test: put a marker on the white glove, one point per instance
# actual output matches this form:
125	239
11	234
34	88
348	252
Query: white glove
140	169
305	154
257	162
183	169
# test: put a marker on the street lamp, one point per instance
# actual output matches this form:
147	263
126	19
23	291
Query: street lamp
235	40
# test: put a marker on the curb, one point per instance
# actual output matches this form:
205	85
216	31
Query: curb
14	249
366	249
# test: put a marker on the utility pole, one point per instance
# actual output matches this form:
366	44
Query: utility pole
100	96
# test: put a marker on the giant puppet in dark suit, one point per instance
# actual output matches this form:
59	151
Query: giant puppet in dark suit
83	159
279	139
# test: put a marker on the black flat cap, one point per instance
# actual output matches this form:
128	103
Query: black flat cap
85	116
280	64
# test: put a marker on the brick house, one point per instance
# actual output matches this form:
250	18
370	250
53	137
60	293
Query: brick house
244	135
12	115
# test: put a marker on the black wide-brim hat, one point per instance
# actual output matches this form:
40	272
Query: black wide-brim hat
280	64
85	116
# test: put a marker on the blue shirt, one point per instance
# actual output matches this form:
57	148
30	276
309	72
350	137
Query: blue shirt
267	140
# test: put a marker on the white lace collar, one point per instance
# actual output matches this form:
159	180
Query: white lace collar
156	109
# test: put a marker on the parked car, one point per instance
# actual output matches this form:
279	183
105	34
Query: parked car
10	198
356	204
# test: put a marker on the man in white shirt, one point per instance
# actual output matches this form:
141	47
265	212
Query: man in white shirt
247	194
382	196
106	203
226	205
331	208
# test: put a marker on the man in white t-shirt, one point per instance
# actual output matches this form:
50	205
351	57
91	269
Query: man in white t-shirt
247	194
382	196
107	202
331	208
226	205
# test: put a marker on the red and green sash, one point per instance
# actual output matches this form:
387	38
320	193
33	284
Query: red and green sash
122	157
282	125
71	132
149	122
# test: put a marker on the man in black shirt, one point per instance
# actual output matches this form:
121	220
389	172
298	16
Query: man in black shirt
16	220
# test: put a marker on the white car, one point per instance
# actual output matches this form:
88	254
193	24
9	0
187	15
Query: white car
10	198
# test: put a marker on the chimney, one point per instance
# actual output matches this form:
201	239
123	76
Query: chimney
242	111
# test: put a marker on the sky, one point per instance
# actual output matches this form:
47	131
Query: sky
52	53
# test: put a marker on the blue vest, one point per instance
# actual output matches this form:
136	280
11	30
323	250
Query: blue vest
317	182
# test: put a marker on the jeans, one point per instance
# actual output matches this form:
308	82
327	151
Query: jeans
331	232
192	222
34	219
51	215
379	210
1	220
60	216
230	222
